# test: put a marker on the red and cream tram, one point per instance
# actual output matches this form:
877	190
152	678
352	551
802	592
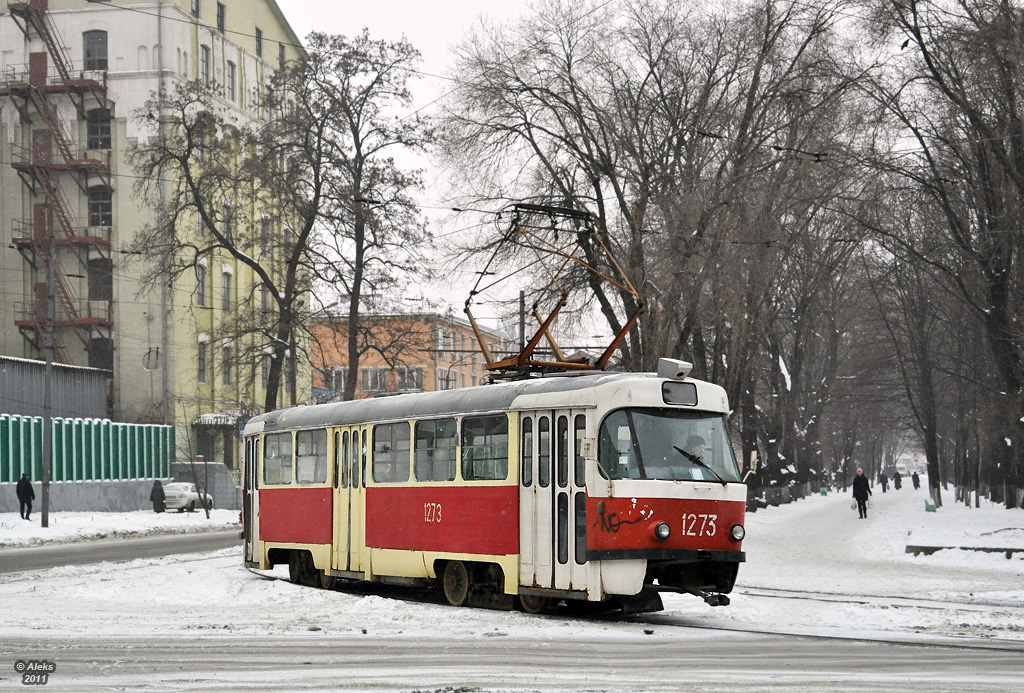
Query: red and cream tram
603	487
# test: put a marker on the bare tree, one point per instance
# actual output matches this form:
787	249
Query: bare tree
355	89
956	96
309	197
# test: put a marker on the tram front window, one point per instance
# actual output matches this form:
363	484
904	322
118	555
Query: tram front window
666	444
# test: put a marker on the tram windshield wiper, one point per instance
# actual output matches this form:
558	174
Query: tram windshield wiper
700	463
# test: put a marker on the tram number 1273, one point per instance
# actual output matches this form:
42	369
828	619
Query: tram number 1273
431	512
702	525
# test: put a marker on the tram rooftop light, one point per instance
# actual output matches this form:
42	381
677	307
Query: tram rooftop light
673	369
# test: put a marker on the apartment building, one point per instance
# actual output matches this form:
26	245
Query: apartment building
405	352
73	74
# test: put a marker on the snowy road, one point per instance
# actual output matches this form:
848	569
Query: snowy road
825	602
497	660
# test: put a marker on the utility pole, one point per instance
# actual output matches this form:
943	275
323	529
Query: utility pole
48	378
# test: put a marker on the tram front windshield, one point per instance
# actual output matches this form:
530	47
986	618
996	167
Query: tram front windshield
666	444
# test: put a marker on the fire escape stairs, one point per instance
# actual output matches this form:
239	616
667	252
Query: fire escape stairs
38	170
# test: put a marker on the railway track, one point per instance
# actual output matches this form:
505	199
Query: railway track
894	601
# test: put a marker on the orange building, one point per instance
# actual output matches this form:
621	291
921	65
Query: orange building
405	352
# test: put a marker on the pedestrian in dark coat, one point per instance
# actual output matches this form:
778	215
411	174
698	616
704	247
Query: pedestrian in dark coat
861	491
158	497
883	479
916	479
25	496
897	481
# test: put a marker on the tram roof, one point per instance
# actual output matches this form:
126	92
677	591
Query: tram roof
481	398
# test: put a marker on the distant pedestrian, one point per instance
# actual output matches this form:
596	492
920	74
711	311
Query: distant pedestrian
25	496
883	479
916	479
861	491
158	497
897	480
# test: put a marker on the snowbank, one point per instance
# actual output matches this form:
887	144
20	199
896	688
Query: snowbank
82	526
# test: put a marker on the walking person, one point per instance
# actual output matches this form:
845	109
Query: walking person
861	491
158	497
25	496
883	479
897	480
916	479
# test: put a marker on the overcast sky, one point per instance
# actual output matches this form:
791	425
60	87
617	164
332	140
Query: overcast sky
431	27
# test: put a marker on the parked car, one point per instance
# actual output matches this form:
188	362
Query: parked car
183	496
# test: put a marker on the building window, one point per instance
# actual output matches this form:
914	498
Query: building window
265	370
201	374
200	285
100	208
101	279
98	128
225	225
374	380
221	14
204	65
226	291
445	379
264	235
101	353
229	82
280	56
196	8
410	378
259	42
95	45
485	447
334	378
226	362
264	300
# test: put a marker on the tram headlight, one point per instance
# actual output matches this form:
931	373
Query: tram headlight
662	531
737	532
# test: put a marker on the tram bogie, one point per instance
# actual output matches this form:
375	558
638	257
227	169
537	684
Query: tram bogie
603	489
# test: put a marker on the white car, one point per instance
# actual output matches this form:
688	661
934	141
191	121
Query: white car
183	496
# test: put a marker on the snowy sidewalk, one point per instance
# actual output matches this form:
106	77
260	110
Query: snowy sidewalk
82	526
814	567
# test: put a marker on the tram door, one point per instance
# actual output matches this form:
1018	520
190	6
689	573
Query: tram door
250	498
552	500
349	480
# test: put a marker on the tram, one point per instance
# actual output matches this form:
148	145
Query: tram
589	487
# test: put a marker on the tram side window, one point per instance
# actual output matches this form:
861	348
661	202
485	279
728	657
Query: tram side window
277	458
391	452
311	457
527	453
485	447
580	432
435	450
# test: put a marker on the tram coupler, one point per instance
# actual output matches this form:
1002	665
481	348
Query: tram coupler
711	598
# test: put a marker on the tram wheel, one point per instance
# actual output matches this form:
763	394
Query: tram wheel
532	604
295	567
455	583
326	582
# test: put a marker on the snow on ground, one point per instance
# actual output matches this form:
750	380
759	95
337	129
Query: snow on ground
812	567
79	526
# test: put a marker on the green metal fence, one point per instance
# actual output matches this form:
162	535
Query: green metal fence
85	449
